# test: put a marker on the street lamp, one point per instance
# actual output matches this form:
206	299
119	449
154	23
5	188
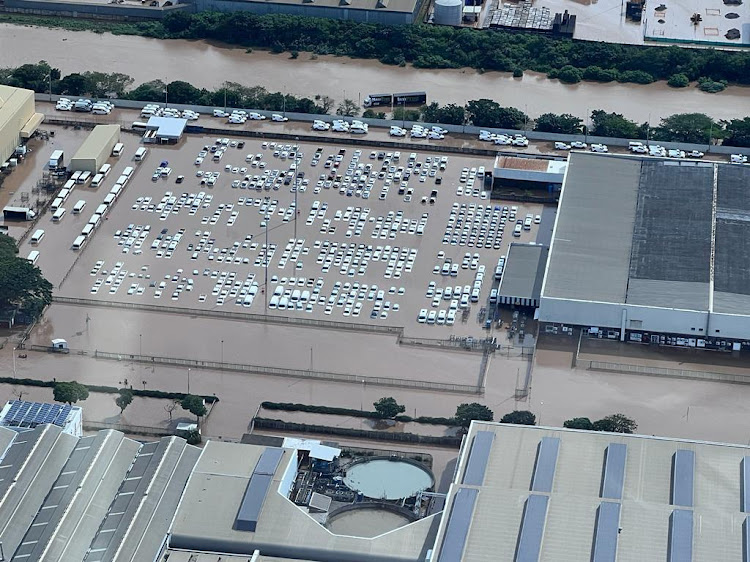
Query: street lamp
265	290
296	187
222	351
188	390
140	345
14	361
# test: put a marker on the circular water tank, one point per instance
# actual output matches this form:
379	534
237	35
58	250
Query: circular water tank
448	12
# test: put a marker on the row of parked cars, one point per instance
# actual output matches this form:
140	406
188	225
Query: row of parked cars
505	140
85	105
155	110
342	126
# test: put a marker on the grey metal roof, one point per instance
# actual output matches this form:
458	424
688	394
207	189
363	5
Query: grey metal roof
681	536
683	477
745	484
457	529
257	489
524	271
590	253
479	454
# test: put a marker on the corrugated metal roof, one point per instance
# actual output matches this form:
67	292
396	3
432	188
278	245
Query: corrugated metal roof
524	271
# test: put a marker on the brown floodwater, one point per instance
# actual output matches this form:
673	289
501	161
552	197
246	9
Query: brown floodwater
208	65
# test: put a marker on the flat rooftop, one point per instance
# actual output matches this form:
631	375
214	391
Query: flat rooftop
674	23
556	495
653	232
524	272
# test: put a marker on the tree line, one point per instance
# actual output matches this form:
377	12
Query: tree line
696	128
428	46
23	288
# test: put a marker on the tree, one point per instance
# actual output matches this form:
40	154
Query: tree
180	91
70	392
171	407
566	124
599	74
605	124
569	75
73	85
616	423
711	86
403	114
371	113
124	399
451	114
148	91
194	405
678	80
465	413
388	407
21	283
487	113
326	103
686	127
520	417
348	108
102	84
194	437
578	423
737	132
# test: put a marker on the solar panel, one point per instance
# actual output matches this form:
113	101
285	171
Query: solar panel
745	484
682	477
457	529
257	489
606	531
746	540
478	457
544	469
532	529
614	471
681	536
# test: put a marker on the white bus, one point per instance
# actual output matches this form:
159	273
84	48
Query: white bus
79	206
59	214
37	236
117	150
79	242
33	256
140	154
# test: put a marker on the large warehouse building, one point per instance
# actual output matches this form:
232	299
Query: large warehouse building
652	250
96	149
18	119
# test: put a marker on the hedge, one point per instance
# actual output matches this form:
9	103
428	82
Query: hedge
107	389
291	407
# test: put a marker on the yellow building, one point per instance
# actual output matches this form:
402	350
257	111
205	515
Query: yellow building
18	119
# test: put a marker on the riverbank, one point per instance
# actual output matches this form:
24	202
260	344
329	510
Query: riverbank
207	65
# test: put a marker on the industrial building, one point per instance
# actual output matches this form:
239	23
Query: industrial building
527	493
387	12
18	119
21	415
521	493
652	250
521	282
164	129
96	149
529	172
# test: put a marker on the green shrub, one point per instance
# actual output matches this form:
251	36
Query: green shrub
636	77
711	86
678	81
569	74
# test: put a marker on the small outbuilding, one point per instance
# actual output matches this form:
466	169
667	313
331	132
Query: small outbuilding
96	149
165	129
521	284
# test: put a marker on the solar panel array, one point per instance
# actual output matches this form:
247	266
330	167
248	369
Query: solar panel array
31	414
546	460
459	522
683	466
478	457
257	489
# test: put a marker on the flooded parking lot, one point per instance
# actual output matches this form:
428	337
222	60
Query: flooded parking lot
380	236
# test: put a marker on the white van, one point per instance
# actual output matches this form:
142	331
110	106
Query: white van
517	230
56	204
59	214
109	199
79	206
123	179
475	294
63	194
95	218
70	184
116	189
105	169
78	242
88	229
295	295
84	177
101	209
284	303
97	181
75	176
140	154
117	150
128	171
274	302
33	256
37	236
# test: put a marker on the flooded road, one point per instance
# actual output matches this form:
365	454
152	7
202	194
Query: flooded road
207	65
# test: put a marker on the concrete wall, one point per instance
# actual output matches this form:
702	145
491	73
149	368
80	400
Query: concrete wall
90	10
331	12
20	112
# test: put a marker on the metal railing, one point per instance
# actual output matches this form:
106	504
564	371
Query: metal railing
296	373
662	371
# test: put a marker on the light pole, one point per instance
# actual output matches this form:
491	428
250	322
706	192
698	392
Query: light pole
14	361
296	188
166	95
140	345
265	290
222	351
49	75
188	390
144	384
311	358
541	407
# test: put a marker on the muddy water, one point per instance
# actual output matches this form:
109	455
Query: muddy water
208	65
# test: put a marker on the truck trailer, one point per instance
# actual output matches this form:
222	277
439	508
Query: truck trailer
408	98
18	213
56	160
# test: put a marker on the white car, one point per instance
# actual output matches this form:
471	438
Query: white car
694	154
255	116
418	134
340	126
321	126
599	148
397	132
676	153
562	146
64	106
279	118
502	140
220	113
236	119
100	110
638	148
578	144
434	135
439	130
485	135
360	129
656	150
738	159
520	141
190	115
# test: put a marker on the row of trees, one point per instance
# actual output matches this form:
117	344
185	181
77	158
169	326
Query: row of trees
688	127
466	413
446	47
22	286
